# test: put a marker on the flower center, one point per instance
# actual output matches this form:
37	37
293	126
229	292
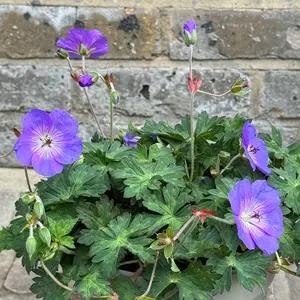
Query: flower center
247	217
46	141
253	149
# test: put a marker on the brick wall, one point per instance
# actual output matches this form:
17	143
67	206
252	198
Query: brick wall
259	39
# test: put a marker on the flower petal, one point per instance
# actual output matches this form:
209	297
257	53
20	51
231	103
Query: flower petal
244	233
267	243
64	126
259	156
69	151
249	132
44	163
240	196
68	45
37	121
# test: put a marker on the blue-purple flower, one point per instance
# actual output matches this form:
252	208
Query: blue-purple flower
190	34
130	140
48	141
86	80
80	41
255	149
257	214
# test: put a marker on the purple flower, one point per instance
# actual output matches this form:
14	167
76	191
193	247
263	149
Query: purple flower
48	141
81	41
257	213
189	26
86	80
131	140
255	149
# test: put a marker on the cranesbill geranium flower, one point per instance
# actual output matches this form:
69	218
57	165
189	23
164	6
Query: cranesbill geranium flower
257	213
85	42
130	140
255	149
190	34
48	141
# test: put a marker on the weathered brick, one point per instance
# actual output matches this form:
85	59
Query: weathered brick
239	34
281	94
131	33
30	32
29	86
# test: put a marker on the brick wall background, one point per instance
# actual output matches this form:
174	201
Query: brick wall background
259	39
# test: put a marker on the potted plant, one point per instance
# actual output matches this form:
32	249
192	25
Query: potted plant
162	211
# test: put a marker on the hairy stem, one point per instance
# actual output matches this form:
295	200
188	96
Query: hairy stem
278	258
214	95
54	278
83	63
27	179
111	122
282	268
192	117
152	277
138	272
228	222
188	222
230	163
129	262
190	230
171	293
7	154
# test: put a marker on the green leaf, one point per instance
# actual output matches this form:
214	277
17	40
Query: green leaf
125	288
196	282
44	287
93	284
207	127
141	178
250	267
73	182
98	215
123	233
287	182
172	204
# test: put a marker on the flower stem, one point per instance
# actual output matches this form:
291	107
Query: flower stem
192	117
53	277
228	222
129	262
171	293
278	258
282	268
111	122
188	222
152	277
230	163
190	230
83	63
7	154
214	95
27	179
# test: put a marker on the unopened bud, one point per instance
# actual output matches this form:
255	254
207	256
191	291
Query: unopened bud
190	34
240	88
30	245
45	235
39	207
28	197
62	54
114	97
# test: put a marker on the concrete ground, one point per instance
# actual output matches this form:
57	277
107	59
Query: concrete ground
15	282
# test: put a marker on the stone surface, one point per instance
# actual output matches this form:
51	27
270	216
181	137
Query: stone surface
132	33
31	31
239	34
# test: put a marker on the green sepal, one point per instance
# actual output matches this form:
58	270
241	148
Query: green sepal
39	209
168	251
114	97
31	246
45	235
83	50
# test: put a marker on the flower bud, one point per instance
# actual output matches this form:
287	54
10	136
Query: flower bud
168	251
88	79
28	197
240	88
114	97
39	207
45	235
62	54
190	34
30	245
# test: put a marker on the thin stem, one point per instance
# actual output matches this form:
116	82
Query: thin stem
111	121
7	154
92	110
70	64
53	277
214	95
192	117
189	221
190	230
129	262
230	163
171	293
27	179
83	63
66	250
288	271
228	222
152	277
138	272
278	258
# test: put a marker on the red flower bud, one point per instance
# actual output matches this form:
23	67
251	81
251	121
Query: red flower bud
203	213
194	84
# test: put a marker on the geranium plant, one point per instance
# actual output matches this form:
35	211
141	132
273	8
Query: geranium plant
160	212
